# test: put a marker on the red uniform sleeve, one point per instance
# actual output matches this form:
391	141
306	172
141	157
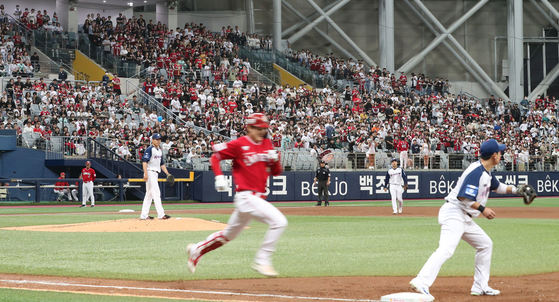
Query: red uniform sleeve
275	168
223	151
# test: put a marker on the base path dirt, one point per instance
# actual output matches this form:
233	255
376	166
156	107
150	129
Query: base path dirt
543	287
516	212
452	289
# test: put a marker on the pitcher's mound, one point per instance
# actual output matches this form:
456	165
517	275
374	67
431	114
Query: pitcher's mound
130	225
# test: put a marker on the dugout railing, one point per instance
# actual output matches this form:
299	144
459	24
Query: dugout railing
59	147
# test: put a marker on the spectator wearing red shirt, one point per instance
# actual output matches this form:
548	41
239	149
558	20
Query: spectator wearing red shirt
116	85
403	148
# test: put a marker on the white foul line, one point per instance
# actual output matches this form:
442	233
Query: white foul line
181	290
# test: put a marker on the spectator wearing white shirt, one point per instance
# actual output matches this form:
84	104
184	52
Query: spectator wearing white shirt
523	159
175	105
280	104
238	85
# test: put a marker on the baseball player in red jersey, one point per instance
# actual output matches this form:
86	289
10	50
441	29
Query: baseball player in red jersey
403	147
62	187
254	159
88	175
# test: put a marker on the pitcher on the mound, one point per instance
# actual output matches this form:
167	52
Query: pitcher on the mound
254	159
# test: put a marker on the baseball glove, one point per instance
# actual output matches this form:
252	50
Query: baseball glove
405	187
170	179
527	192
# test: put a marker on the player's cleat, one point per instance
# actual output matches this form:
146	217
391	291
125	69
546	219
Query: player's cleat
191	262
395	213
165	217
82	206
148	218
488	292
419	287
425	168
318	204
266	270
93	206
327	204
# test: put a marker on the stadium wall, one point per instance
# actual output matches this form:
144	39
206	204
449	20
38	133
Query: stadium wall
297	186
24	163
84	64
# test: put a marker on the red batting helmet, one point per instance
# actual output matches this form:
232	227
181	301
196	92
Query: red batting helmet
257	120
88	163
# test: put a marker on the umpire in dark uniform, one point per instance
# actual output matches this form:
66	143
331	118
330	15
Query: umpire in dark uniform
323	178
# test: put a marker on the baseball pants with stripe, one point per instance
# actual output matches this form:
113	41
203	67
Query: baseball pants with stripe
248	207
152	193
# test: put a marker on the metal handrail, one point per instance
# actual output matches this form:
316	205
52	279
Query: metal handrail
107	157
162	110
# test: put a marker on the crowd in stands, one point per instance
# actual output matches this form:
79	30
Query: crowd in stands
35	19
199	77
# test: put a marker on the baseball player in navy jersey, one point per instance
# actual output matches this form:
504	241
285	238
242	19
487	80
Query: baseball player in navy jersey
466	201
396	179
88	175
153	164
254	159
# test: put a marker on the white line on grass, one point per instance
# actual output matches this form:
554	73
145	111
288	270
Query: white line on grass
181	290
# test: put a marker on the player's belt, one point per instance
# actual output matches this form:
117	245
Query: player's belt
257	194
86	182
464	212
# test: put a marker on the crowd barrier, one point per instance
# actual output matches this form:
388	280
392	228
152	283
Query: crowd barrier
366	185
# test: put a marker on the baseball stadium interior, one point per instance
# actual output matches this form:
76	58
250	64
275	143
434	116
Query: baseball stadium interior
352	82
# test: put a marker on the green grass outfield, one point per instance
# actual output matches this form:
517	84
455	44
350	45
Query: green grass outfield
311	246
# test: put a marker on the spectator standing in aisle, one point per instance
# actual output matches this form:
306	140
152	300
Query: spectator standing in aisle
35	62
323	178
105	79
415	150
62	75
371	152
425	151
403	148
116	85
17	12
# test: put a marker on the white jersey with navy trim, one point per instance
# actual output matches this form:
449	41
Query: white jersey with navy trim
396	177
474	184
153	157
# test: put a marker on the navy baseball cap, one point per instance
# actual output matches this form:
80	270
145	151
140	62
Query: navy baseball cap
394	159
156	136
491	146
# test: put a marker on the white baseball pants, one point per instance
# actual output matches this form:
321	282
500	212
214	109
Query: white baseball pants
152	193
87	193
454	228
404	159
247	208
396	194
73	194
